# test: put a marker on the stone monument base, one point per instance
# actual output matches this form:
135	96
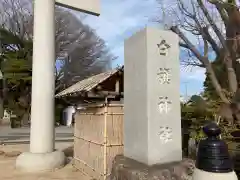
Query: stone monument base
37	162
127	169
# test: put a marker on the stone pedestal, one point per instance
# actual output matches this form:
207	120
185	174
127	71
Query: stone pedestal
128	169
152	124
42	139
38	162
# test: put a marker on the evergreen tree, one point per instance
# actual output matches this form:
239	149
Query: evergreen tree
16	66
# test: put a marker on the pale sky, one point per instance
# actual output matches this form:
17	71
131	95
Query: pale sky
120	19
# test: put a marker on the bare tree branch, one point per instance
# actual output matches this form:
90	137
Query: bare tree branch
80	51
211	41
204	61
212	23
176	30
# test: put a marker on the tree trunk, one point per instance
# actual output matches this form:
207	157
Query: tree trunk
215	83
226	113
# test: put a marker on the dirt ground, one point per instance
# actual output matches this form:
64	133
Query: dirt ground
8	156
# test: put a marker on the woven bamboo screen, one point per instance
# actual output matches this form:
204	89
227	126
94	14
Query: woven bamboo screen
98	139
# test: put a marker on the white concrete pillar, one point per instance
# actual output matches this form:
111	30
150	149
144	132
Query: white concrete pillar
43	79
42	137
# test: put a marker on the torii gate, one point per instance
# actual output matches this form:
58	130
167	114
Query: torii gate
42	155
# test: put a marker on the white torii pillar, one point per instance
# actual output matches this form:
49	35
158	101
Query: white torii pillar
42	155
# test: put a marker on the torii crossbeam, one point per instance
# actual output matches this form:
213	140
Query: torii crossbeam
42	155
87	6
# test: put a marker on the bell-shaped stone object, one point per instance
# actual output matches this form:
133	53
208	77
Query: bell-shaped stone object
213	159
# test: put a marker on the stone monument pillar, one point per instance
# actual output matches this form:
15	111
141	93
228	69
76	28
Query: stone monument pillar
152	124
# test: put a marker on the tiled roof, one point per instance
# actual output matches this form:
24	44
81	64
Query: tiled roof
88	84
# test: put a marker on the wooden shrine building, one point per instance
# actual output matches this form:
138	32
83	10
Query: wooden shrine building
98	131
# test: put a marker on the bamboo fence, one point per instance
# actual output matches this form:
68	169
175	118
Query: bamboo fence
98	138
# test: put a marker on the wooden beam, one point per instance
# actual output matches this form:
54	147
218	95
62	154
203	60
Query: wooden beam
98	94
110	93
86	6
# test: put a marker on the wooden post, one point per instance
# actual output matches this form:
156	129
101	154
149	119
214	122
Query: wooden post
105	138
